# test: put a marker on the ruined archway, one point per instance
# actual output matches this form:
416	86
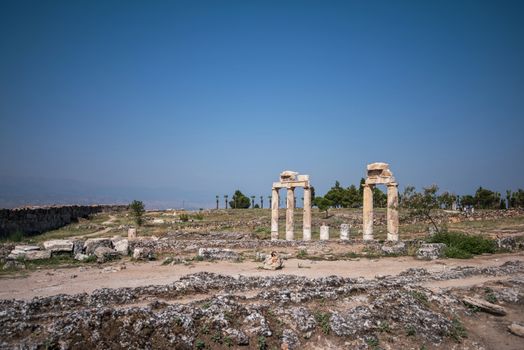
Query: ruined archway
290	180
379	173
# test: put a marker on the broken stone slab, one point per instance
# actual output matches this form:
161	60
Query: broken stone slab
485	306
273	262
21	250
59	245
91	244
398	248
218	254
516	329
27	248
104	254
431	251
37	255
121	245
142	253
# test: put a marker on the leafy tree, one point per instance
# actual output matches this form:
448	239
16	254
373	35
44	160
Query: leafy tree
508	198
361	187
420	204
467	200
446	200
335	195
487	199
312	194
239	201
323	204
517	199
351	197
380	199
137	211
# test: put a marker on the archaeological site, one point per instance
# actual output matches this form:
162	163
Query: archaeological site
261	175
90	277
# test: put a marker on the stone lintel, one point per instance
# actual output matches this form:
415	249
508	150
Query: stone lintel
378	166
380	180
290	184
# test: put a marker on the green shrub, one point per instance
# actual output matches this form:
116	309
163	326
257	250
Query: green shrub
462	246
199	216
322	319
456	253
184	217
199	344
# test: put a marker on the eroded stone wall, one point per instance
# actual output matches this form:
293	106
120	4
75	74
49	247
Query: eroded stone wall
35	220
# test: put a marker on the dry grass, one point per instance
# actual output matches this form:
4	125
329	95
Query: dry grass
257	221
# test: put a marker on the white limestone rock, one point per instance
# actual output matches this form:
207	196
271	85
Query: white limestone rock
59	245
121	245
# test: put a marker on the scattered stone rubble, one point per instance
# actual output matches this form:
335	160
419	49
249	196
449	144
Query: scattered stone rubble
284	311
218	254
103	248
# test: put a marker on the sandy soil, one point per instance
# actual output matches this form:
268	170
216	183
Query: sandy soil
48	282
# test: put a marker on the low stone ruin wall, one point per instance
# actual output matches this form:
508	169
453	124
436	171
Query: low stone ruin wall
35	220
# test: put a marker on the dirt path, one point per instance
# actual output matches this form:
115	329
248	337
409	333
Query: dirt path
88	278
111	220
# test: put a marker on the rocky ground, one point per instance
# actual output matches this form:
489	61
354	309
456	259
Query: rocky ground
208	310
182	289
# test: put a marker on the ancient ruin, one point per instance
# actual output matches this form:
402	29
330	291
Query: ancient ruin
380	174
290	180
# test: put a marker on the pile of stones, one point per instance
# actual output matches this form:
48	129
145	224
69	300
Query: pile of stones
103	249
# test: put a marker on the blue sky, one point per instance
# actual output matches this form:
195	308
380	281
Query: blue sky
182	100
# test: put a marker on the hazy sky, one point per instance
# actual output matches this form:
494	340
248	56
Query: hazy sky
190	99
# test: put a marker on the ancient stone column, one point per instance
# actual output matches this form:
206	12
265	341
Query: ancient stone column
344	232
324	232
306	236
392	212
290	211
274	214
367	215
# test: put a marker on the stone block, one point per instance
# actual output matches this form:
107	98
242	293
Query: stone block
121	245
104	254
37	255
142	253
344	232
59	245
91	244
431	251
131	233
20	251
398	248
324	233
